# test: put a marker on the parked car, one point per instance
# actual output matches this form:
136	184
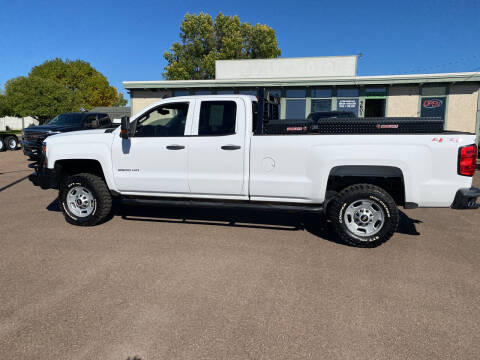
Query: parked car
8	141
213	151
33	136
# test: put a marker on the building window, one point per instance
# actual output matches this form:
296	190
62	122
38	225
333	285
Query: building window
348	105
433	101
295	103
295	108
202	92
433	107
275	110
320	93
347	100
224	91
434	90
347	92
374	92
318	105
295	93
181	93
321	99
275	92
247	91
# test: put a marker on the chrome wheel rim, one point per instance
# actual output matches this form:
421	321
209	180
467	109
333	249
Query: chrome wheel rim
80	201
12	144
364	218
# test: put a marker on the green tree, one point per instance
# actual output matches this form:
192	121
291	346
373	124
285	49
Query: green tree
3	104
58	86
37	97
202	41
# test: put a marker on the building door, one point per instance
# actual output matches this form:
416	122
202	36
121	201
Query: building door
374	107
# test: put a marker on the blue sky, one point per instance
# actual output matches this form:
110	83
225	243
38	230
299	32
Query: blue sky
125	40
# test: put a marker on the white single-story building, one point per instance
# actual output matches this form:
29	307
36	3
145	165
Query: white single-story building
308	85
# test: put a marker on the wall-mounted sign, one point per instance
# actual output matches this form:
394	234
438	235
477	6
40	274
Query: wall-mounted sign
350	105
433	107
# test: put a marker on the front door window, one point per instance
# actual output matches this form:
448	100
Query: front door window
165	121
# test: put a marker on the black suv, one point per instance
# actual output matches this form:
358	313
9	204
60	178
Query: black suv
33	136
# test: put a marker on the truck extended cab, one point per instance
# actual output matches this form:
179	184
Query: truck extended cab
219	150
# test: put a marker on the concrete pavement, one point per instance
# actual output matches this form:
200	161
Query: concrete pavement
161	283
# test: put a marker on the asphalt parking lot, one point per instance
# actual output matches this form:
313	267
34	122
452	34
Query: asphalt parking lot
160	283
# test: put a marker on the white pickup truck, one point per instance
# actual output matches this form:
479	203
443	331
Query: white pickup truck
217	151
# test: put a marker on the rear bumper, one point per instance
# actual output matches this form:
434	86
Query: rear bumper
466	199
44	178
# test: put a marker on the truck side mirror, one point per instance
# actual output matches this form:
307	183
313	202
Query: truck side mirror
125	127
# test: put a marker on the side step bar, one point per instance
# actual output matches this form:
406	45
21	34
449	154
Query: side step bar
231	205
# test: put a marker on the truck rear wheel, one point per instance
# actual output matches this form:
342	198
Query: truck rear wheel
85	199
364	215
11	143
2	145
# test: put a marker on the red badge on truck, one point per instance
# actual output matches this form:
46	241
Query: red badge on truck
387	126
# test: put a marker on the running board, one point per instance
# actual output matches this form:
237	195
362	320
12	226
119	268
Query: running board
231	205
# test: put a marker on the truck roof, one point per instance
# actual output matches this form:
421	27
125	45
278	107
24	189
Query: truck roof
250	97
190	97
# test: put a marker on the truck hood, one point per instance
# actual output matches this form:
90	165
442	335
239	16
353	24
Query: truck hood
81	132
51	128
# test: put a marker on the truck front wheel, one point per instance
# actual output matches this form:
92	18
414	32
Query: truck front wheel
85	199
364	215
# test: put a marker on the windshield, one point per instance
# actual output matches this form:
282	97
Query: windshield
67	119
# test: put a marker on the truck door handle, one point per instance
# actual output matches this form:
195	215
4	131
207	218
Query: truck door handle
231	147
175	147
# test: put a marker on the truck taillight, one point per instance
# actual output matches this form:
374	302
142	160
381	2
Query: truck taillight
467	160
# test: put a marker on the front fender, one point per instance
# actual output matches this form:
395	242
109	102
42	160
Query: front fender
98	151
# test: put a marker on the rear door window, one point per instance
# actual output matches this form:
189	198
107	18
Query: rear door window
217	118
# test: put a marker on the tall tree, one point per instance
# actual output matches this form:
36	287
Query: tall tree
58	86
3	104
202	41
37	97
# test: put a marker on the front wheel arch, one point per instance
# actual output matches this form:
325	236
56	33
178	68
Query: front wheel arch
70	167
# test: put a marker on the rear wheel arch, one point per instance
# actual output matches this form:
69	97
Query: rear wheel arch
388	178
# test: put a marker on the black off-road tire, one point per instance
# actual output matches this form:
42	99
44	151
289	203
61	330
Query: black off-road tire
102	197
350	195
8	140
2	145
